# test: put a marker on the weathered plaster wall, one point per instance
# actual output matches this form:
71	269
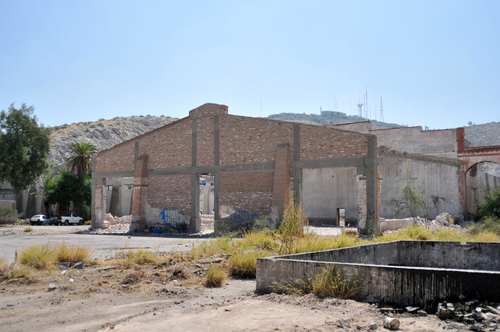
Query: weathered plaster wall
439	143
324	190
439	181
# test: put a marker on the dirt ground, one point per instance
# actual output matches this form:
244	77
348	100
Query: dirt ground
170	297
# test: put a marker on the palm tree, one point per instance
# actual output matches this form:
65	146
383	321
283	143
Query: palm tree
81	157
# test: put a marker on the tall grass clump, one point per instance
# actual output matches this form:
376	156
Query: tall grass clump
28	229
129	259
73	254
215	276
244	264
331	282
259	240
14	271
41	257
292	226
487	224
221	245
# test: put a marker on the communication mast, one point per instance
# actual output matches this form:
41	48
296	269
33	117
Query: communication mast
381	111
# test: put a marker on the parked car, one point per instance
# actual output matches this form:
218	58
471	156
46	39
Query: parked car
70	218
39	219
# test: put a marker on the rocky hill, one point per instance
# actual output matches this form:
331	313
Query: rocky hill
328	118
482	135
103	134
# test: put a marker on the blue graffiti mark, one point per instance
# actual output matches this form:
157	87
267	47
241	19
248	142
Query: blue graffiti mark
171	216
242	216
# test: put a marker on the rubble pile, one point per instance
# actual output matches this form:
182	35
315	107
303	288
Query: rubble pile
111	220
444	220
207	220
112	229
470	315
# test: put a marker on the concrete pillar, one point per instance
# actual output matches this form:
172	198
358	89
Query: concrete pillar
368	219
99	203
140	194
281	177
361	181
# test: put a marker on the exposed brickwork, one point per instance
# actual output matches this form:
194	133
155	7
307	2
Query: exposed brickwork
251	140
205	141
208	110
281	181
170	191
251	192
170	146
120	158
243	141
247	181
326	143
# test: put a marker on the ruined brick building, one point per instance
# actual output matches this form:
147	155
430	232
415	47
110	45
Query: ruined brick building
347	170
254	162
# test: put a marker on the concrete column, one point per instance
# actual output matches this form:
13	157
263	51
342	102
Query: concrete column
216	162
296	157
99	198
195	222
281	177
370	172
462	186
140	194
361	181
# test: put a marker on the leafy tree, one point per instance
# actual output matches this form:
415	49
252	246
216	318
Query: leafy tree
68	188
24	147
81	157
490	206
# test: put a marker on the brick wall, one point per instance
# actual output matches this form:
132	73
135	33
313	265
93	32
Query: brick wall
251	140
170	191
248	191
205	141
243	141
326	143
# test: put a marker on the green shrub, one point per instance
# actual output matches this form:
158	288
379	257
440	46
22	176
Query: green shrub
292	226
28	229
490	207
487	224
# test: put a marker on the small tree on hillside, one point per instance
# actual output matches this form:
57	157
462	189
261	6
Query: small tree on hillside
24	147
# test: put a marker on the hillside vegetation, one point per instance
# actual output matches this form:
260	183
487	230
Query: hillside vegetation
104	134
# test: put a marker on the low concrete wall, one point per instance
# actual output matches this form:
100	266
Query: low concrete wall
440	271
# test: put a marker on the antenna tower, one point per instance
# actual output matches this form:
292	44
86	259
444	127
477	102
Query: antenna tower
381	111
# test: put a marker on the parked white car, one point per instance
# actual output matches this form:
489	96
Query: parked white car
39	219
70	218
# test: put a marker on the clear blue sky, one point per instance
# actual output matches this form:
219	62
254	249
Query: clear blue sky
435	63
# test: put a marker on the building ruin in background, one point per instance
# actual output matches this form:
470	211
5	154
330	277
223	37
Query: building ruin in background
347	172
253	161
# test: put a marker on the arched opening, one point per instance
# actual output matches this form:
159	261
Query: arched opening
480	179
